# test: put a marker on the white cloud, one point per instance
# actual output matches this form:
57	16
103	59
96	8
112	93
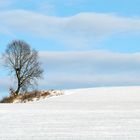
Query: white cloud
87	69
78	30
81	81
92	61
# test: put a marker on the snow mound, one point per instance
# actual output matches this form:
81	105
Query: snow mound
111	113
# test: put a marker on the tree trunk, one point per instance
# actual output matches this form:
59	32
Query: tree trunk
18	89
18	78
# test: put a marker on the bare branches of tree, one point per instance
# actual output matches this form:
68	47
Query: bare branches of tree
23	62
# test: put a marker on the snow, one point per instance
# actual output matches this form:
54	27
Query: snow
109	113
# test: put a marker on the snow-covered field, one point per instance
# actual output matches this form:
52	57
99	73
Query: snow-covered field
83	114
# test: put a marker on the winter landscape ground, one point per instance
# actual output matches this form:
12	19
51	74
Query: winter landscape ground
109	113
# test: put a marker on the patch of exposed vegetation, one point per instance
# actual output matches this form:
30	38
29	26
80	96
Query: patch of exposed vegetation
30	96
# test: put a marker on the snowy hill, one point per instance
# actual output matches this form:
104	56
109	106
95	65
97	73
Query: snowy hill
80	114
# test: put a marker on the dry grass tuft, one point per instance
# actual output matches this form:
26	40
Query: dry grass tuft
9	99
30	96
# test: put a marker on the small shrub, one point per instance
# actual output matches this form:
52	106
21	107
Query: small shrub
9	99
29	96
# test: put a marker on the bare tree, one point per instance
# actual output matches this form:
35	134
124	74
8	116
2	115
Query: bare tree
23	62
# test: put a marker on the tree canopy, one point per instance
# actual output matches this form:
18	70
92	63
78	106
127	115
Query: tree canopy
23	63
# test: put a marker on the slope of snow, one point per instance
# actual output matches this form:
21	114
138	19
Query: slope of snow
80	114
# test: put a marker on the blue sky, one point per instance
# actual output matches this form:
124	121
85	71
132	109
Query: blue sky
81	43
